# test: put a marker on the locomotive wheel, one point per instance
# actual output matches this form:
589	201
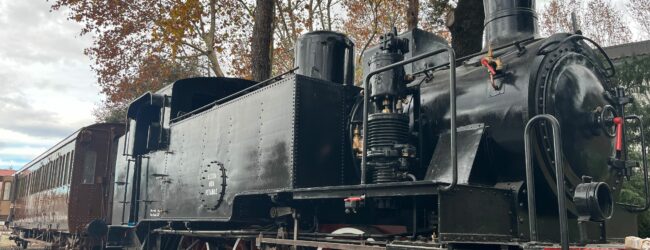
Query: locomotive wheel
351	231
193	243
241	244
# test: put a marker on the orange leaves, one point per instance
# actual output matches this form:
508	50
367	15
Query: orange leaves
368	19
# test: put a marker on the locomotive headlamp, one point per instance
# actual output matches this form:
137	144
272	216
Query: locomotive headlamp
593	201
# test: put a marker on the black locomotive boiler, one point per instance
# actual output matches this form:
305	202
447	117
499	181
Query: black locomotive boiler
434	152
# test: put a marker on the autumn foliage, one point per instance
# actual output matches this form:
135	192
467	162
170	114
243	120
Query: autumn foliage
142	45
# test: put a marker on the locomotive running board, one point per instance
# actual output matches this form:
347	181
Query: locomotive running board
407	188
260	240
317	244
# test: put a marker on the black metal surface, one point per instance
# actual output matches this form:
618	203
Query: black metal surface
594	201
197	93
325	55
509	21
288	134
469	139
572	93
460	222
390	83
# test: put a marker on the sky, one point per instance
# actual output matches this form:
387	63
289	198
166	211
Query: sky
47	89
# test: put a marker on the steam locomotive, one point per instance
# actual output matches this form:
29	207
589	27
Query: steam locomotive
521	145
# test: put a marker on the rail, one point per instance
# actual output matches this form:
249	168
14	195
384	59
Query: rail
559	177
452	107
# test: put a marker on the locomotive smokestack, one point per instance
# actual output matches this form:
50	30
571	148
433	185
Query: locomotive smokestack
508	21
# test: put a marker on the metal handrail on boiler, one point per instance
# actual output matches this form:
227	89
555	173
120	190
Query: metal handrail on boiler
452	108
559	177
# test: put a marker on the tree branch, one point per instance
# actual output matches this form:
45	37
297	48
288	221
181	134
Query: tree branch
374	29
195	47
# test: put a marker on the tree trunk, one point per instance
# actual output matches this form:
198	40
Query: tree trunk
412	13
261	40
466	27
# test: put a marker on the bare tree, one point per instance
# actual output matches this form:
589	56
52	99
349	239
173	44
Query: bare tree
603	23
556	16
640	12
598	19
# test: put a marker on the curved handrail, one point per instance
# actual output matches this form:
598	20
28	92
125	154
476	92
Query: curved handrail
559	176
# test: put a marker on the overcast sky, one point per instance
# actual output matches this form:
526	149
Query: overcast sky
47	90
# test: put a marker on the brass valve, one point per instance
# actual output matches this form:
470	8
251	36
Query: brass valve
494	66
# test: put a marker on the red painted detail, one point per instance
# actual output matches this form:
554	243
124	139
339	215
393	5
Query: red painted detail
586	248
357	198
619	133
486	63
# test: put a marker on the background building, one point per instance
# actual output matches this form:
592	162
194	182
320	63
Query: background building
6	181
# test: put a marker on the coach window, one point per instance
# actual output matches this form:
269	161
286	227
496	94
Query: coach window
64	162
71	170
90	159
48	175
66	168
55	172
7	191
37	180
28	183
43	173
55	169
59	175
68	162
59	172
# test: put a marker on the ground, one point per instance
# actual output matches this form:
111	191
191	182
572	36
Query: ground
5	243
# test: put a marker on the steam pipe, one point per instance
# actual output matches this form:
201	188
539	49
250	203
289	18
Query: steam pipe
559	177
452	106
